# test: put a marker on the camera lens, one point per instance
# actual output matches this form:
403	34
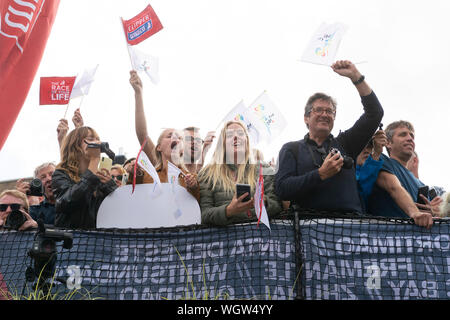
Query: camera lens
36	188
15	220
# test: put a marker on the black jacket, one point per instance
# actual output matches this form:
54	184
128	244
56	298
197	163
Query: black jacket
298	178
77	204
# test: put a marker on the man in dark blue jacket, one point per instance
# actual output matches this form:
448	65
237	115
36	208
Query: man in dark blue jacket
312	177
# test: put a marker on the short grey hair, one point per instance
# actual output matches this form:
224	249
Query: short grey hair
43	166
318	96
390	129
397	124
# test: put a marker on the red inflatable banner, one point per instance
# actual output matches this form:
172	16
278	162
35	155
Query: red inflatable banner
24	29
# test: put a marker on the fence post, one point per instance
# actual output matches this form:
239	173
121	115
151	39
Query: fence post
298	257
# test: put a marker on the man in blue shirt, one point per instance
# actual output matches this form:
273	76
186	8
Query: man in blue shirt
308	174
395	192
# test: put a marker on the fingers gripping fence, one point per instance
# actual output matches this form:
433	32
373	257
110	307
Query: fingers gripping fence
306	255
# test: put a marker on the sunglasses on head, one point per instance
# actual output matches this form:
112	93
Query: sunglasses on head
13	206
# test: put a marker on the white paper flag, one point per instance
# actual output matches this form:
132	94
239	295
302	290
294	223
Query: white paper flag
241	113
267	119
172	173
145	62
83	84
144	162
323	46
260	209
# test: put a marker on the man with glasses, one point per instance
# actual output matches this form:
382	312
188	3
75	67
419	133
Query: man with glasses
195	148
41	209
309	174
15	202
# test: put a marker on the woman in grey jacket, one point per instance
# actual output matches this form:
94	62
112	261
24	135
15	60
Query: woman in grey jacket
230	165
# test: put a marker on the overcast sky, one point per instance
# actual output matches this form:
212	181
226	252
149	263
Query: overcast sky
214	53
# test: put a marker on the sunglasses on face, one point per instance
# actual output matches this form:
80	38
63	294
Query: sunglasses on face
117	177
13	206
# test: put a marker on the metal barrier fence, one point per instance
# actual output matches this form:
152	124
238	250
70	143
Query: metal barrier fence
304	256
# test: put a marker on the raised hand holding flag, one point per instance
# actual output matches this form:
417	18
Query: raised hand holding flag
141	61
136	30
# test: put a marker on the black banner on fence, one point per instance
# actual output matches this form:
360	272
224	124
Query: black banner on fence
374	260
237	262
334	258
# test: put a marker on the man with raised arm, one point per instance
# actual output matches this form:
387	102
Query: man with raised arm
311	176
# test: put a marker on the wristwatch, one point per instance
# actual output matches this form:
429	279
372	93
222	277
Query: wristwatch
360	80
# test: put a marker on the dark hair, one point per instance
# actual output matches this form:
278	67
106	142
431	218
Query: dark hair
195	129
128	161
318	96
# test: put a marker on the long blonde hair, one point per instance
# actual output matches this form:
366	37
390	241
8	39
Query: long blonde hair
218	173
72	152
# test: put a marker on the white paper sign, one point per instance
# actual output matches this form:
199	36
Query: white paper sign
122	209
323	46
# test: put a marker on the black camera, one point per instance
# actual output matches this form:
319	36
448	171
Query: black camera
43	251
15	220
36	188
119	159
104	148
348	162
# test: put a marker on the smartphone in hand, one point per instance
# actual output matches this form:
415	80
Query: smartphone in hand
241	189
424	191
105	163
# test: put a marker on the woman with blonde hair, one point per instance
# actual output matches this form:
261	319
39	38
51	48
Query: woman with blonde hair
169	146
78	186
232	163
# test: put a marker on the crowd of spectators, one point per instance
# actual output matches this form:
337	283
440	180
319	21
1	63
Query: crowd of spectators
348	173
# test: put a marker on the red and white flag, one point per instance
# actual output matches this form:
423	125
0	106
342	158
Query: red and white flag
142	26
24	29
55	90
260	209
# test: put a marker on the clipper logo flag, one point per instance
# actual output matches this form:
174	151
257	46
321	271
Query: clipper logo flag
25	26
55	90
142	26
